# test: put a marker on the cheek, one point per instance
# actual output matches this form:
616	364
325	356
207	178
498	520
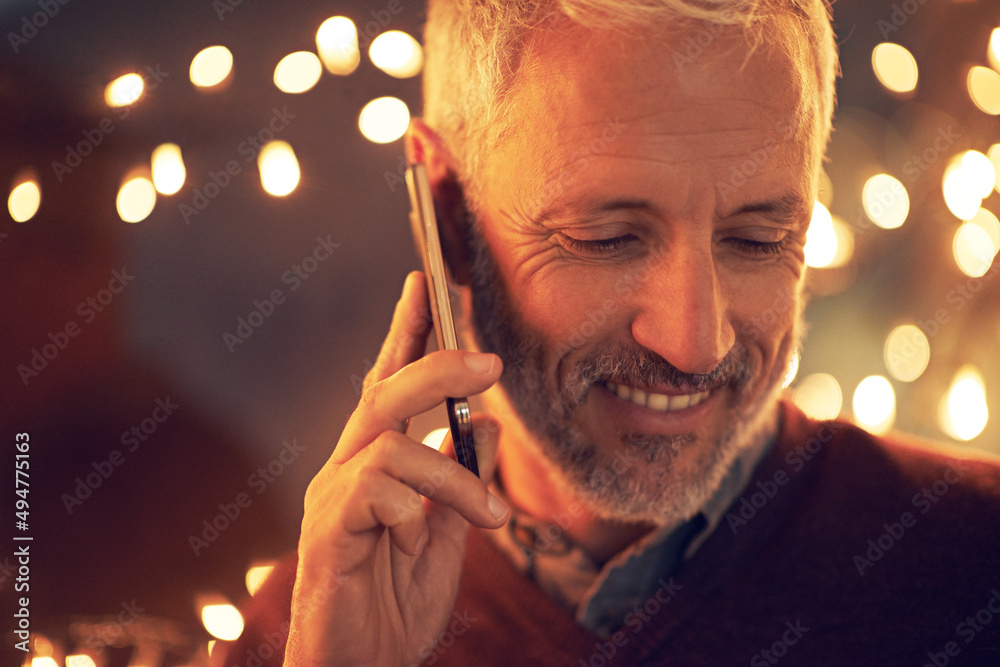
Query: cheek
572	308
763	309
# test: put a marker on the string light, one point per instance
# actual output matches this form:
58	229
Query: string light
124	90
984	89
874	404
24	200
895	67
279	168
222	621
297	72
397	54
819	396
963	413
168	169
886	201
384	119
337	45
136	199
907	352
211	66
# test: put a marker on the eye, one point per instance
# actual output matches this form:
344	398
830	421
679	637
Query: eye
599	247
756	248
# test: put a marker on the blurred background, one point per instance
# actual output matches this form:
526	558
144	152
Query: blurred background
206	232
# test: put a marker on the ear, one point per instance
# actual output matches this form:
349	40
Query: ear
424	145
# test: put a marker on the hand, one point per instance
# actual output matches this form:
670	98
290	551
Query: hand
386	517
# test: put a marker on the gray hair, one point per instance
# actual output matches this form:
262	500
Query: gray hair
474	50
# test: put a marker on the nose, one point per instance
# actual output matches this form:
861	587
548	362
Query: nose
682	310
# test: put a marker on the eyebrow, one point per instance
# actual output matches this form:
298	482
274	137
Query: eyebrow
557	210
785	210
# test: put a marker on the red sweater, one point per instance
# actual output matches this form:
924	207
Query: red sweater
845	549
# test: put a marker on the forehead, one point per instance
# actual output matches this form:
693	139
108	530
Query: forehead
691	102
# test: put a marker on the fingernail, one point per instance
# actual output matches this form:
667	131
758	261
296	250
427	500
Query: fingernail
480	362
497	508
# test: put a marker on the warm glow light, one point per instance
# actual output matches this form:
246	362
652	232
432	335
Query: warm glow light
211	646
984	89
821	239
993	52
279	169
384	119
45	661
435	439
979	173
168	169
960	190
988	222
297	72
24	201
994	155
819	396
895	67
257	575
124	90
337	44
80	660
907	352
845	242
875	404
973	250
397	54
222	620
886	201
211	66
792	370
963	413
136	199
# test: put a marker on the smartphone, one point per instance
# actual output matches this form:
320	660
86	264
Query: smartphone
425	234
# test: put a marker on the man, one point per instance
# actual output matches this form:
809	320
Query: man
632	293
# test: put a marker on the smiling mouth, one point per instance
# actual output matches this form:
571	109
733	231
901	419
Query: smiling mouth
654	401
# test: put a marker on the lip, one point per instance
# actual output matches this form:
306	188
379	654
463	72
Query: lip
642	418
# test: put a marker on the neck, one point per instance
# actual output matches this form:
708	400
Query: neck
534	488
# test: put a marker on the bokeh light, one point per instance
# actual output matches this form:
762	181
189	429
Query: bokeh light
994	156
895	67
979	172
886	201
168	169
993	51
397	54
257	575
124	90
874	404
907	352
211	66
973	250
384	119
984	89
297	72
963	413
136	199
821	239
961	186
24	200
819	396
279	168
80	660
337	44
223	621
44	661
989	223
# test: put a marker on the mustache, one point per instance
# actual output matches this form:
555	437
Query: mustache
635	365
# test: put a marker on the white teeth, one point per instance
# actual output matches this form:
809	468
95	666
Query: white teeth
658	402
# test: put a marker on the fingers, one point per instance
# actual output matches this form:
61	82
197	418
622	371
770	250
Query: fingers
414	389
407	338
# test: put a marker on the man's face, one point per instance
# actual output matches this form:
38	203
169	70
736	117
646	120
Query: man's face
639	259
